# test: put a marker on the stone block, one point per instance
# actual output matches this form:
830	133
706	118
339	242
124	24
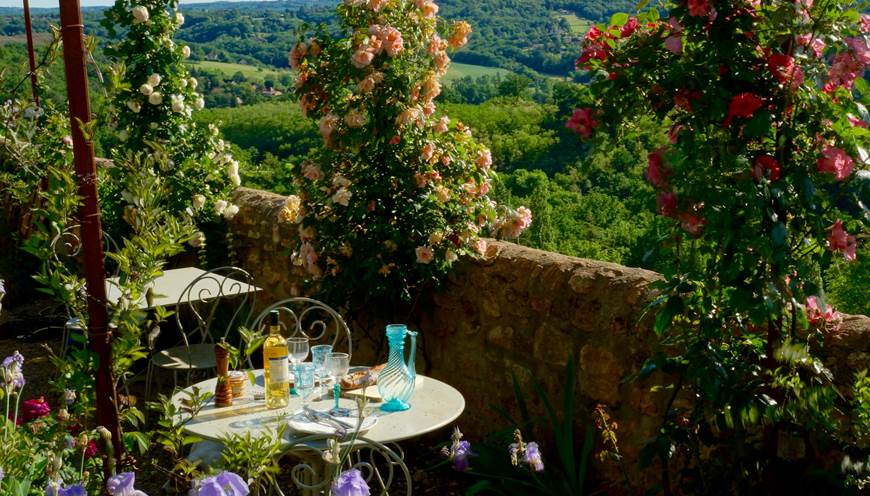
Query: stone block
600	374
552	346
500	337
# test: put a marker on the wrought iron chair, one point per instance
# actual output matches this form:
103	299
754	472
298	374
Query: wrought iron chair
66	249
381	465
309	318
200	302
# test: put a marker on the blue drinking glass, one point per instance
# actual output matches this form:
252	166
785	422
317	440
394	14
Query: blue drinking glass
304	375
318	357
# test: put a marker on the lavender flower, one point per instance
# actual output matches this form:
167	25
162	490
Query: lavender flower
350	483
122	485
2	473
222	484
532	457
459	452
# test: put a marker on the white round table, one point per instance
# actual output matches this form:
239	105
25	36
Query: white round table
434	405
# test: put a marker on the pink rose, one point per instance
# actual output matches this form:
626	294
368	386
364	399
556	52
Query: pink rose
312	172
484	159
424	254
392	41
442	126
840	241
629	27
362	57
830	318
581	122
427	152
656	171
692	223
480	246
742	105
835	161
327	125
699	8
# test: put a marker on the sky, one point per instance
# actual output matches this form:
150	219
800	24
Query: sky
84	3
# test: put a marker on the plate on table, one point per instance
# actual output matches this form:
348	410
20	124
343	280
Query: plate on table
300	423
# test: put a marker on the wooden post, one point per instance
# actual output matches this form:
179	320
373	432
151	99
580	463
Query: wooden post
31	58
99	334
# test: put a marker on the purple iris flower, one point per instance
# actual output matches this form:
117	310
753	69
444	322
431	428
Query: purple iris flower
73	490
11	371
222	484
350	483
2	473
461	453
532	457
122	485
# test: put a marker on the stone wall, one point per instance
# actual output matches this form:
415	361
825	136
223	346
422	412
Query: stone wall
520	312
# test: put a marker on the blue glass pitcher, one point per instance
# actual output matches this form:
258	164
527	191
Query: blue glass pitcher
396	381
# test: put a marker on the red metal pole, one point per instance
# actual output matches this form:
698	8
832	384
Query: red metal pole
30	56
99	334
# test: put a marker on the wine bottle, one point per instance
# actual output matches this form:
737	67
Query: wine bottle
275	368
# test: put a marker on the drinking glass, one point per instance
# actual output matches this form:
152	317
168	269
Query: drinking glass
337	365
318	357
297	350
304	373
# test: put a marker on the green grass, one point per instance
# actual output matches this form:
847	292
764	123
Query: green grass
458	70
251	72
578	26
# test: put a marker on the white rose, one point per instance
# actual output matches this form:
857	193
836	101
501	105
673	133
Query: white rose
185	50
236	180
183	83
155	98
153	125
220	206
233	168
231	212
199	103
154	79
198	201
342	196
179	18
146	89
197	240
450	256
177	103
140	14
134	106
194	83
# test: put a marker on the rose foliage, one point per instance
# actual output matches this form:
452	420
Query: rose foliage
766	184
397	193
153	101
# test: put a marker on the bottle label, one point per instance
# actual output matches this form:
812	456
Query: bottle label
279	372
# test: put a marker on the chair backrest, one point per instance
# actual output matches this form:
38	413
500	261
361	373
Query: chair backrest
202	298
66	247
310	318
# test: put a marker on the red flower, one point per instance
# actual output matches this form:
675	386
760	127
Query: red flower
742	105
34	408
593	34
629	27
581	122
766	166
656	171
91	449
835	161
699	8
691	223
666	201
784	69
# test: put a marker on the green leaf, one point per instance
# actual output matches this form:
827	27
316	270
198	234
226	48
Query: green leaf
618	19
758	126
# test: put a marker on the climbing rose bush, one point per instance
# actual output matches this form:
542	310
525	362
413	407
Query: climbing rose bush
765	184
398	192
153	101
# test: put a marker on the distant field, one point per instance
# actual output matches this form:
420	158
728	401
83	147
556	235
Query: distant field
38	39
458	70
249	71
578	25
